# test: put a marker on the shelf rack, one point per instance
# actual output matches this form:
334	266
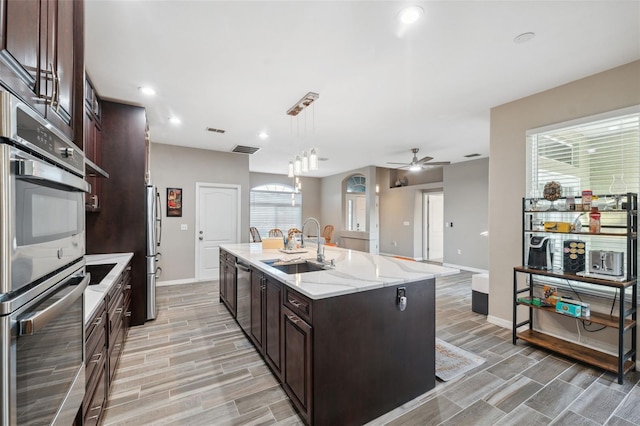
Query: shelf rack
626	319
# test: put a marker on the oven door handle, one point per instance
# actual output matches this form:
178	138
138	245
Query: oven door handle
33	169
38	320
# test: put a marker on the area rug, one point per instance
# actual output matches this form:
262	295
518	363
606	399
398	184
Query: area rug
452	361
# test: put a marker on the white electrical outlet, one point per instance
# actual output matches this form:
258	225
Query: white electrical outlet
184	227
459	251
394	243
406	223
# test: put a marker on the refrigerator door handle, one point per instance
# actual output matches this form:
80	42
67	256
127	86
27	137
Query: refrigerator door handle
159	218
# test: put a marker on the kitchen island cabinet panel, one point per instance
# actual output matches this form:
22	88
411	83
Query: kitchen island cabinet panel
349	346
297	361
273	325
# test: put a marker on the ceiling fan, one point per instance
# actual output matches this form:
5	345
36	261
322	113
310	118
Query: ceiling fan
416	165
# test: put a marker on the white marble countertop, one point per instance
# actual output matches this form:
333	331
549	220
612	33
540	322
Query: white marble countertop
94	294
354	271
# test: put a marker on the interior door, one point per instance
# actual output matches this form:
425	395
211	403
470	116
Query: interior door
217	222
434	227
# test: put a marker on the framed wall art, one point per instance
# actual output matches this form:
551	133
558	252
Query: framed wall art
174	202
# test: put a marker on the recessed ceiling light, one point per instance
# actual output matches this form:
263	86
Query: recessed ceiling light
410	14
174	120
146	90
263	135
524	37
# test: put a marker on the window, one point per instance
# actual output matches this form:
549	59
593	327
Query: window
602	155
355	203
275	206
599	153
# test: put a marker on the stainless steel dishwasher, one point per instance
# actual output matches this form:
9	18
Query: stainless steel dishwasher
243	307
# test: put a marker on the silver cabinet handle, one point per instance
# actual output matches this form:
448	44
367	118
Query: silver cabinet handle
294	303
294	319
97	360
97	321
38	320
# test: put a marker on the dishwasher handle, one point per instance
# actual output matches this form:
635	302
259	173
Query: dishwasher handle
243	267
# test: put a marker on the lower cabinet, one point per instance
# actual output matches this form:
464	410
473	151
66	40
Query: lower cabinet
95	367
105	334
296	374
266	311
228	281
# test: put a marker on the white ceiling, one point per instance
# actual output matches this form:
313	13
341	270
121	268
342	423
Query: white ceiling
240	65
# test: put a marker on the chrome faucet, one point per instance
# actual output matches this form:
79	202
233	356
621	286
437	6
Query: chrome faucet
320	257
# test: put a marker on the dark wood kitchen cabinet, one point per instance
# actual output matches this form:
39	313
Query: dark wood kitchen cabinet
266	312
93	147
120	225
42	58
96	365
296	374
105	334
228	283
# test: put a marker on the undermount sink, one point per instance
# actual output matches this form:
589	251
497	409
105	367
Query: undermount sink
296	267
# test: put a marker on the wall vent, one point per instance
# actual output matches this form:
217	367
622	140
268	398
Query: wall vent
245	149
214	130
472	155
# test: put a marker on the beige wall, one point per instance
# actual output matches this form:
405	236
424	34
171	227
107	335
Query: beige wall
606	91
180	167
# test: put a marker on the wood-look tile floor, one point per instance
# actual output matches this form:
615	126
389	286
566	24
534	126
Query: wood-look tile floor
194	366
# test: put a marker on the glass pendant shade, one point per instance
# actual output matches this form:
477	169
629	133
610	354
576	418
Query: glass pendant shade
313	160
297	166
305	162
290	174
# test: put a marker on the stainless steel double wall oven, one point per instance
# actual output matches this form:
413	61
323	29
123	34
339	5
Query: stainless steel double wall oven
42	278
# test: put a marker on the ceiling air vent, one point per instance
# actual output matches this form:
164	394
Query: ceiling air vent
472	155
245	149
214	130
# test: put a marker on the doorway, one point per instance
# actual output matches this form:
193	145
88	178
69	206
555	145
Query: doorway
217	222
433	226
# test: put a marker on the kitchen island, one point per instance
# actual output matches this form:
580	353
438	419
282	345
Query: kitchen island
348	342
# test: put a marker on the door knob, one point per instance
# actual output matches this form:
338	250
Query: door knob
201	238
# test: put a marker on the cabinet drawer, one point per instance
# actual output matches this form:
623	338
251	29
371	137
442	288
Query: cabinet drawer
299	304
116	345
96	357
116	311
98	320
94	403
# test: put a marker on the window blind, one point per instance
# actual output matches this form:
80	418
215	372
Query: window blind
273	209
602	155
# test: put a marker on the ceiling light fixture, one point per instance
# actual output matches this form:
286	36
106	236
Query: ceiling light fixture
263	135
302	103
308	161
174	120
410	15
146	90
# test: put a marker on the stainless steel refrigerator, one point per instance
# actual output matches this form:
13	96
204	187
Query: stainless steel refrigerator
154	235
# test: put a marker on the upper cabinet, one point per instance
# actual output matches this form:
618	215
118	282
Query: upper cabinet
41	45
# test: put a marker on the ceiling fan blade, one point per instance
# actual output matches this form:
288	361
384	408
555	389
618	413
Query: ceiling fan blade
391	162
425	159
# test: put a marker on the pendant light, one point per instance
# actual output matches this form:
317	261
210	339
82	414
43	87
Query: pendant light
297	166
290	174
305	162
313	160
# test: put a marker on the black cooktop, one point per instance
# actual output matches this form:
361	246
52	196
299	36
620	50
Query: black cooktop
98	272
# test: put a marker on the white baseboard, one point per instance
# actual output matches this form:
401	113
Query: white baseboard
175	282
500	322
466	268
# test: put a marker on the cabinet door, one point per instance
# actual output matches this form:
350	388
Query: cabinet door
257	303
297	360
223	278
21	38
231	288
272	324
60	58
